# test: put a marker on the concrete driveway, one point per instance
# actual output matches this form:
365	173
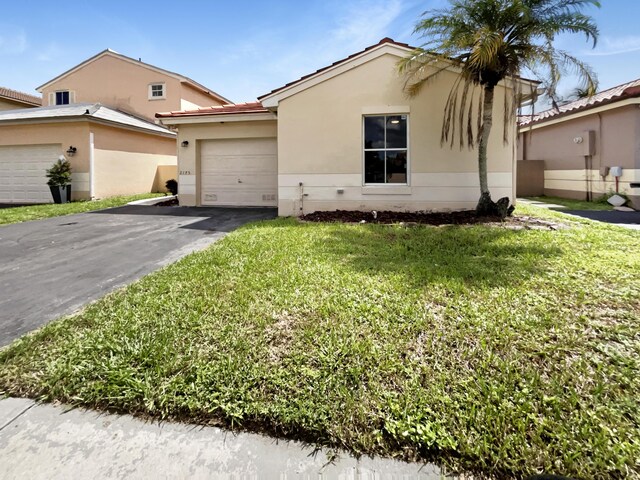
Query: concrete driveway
52	267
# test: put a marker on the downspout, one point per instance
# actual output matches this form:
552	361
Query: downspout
587	171
91	167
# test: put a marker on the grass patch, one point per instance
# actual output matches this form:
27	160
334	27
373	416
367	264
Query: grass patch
37	212
575	204
481	348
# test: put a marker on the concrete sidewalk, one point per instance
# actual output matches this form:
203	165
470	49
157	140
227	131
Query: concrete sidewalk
41	441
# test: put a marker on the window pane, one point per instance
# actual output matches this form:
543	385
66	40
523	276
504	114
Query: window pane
373	132
397	131
62	98
374	167
397	167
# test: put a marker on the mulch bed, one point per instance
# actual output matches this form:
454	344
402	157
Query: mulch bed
168	203
467	217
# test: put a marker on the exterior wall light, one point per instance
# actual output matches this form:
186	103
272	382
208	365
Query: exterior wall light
72	151
185	143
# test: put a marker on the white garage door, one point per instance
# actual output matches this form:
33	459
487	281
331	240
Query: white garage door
241	172
22	172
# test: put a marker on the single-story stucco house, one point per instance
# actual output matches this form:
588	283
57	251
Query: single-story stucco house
111	153
344	137
573	151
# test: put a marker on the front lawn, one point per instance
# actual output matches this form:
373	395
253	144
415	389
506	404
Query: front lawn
37	212
482	348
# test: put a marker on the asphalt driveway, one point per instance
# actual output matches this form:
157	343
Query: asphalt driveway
623	219
52	267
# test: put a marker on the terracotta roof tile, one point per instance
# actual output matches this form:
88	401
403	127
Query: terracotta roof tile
232	108
611	95
20	96
381	42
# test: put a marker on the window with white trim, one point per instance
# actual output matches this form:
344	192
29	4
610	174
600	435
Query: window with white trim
385	149
156	91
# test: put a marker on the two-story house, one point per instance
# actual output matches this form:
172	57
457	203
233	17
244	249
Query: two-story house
100	116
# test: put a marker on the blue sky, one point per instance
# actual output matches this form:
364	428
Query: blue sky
245	48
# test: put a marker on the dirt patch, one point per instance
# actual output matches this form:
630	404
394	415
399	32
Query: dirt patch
466	217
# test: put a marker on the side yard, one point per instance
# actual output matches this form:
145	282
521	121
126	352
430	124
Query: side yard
483	348
37	212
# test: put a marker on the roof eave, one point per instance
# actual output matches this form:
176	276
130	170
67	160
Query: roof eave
270	100
217	118
609	104
88	118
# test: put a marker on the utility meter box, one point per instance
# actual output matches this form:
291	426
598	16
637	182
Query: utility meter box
616	171
588	143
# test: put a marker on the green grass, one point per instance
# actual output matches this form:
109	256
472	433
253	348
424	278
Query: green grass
37	212
575	204
481	348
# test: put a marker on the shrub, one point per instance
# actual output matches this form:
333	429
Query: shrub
60	173
172	186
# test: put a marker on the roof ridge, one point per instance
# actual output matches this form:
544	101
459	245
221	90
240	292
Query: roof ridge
183	78
383	41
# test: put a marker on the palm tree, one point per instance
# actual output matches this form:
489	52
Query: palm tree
490	41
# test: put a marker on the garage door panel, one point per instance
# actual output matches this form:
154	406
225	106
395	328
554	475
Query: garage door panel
239	172
258	180
22	172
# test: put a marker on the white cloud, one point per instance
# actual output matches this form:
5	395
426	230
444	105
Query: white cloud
13	41
615	46
49	53
365	23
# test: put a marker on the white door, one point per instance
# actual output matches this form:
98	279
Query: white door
242	172
22	172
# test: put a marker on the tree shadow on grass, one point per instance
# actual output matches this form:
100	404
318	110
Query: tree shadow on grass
477	257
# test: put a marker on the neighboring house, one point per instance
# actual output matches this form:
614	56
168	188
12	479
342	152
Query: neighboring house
128	85
12	99
111	153
344	137
571	151
100	116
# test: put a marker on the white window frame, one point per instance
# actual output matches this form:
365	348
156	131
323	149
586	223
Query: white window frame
164	91
53	95
364	150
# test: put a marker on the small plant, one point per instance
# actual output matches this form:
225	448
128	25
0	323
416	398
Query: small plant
59	174
172	186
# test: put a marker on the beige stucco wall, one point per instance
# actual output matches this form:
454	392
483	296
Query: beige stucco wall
129	162
123	85
6	104
320	144
188	157
617	143
64	133
112	138
192	96
126	173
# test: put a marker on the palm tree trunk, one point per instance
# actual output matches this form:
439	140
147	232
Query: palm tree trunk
485	203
